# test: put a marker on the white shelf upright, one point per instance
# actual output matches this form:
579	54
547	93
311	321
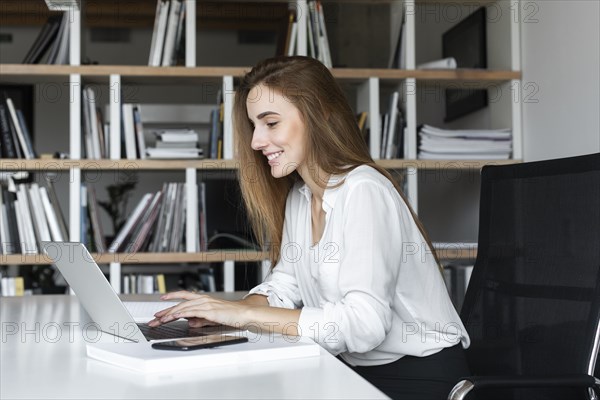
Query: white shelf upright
368	100
411	105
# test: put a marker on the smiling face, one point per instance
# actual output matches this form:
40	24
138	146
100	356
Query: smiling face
279	132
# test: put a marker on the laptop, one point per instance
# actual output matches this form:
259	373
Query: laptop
102	303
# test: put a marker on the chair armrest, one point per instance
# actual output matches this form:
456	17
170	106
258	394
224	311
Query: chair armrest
468	384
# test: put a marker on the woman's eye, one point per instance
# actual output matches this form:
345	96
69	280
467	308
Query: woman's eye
271	124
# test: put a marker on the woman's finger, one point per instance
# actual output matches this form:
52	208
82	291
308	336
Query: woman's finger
182	294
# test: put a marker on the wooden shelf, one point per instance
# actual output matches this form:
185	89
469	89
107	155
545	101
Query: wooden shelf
442	164
147	258
10	72
42	165
448	254
454	254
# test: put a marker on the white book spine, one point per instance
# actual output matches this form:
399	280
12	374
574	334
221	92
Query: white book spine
173	20
115	117
326	52
38	212
5	238
91	104
392	131
30	245
191	217
301	19
51	216
13	115
228	92
160	34
147	284
293	39
190	33
139	130
5	289
154	32
128	125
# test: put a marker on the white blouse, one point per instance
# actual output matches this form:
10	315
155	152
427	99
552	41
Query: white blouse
370	289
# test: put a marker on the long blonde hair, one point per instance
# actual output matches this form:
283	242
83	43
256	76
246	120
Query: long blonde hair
333	139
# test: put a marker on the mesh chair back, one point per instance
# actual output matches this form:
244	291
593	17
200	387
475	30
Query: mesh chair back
533	304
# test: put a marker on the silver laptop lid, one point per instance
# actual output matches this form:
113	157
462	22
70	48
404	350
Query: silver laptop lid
93	290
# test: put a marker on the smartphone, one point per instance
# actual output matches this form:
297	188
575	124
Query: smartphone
200	342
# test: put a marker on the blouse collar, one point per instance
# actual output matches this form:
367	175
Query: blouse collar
330	194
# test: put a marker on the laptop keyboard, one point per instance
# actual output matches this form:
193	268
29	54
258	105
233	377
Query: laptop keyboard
181	329
169	331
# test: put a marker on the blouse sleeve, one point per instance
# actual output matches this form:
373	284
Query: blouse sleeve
369	264
281	286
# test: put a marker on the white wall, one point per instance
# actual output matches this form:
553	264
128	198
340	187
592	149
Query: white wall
561	77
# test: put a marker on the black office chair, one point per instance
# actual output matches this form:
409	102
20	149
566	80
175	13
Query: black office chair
532	308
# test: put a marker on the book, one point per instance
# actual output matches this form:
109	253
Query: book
444	63
9	212
161	284
96	141
158	34
139	131
177	227
6	137
291	50
51	216
143	358
27	234
62	225
171	33
202	227
398	50
5	238
179	52
437	143
121	237
26	134
12	286
178	135
288	34
88	141
44	40
38	212
392	128
12	112
84	236
140	237
323	40
129	132
59	48
95	221
170	153
313	34
161	221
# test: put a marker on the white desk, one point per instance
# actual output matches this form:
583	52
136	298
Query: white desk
42	355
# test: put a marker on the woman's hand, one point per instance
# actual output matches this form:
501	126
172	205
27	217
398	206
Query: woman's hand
202	310
254	311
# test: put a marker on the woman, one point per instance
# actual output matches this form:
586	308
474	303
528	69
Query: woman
352	266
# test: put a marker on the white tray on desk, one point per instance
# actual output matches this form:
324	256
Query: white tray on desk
141	357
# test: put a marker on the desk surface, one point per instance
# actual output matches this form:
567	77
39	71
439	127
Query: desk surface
42	355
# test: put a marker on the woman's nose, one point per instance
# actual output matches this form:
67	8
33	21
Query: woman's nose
258	140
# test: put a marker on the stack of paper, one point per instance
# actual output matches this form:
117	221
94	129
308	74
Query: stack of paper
176	143
436	143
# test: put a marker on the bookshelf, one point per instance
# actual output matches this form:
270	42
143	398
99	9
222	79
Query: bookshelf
368	84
